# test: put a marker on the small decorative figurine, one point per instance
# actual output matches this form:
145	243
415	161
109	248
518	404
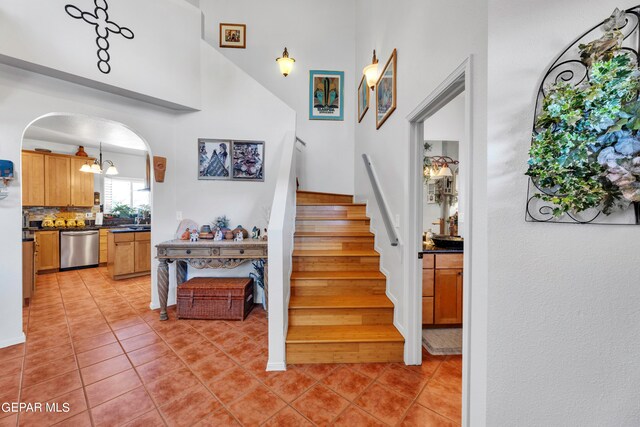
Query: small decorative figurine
239	237
264	236
194	236
219	236
186	235
255	233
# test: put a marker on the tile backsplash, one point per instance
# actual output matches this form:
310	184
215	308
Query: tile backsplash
39	213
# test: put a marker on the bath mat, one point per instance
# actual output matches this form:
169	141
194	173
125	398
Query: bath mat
442	341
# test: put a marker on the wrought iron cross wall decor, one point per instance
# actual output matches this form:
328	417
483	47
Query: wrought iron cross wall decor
103	27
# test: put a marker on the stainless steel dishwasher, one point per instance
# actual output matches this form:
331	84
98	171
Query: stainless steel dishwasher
79	249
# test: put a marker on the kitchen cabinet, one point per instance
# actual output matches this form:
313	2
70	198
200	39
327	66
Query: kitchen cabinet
57	188
142	252
442	289
28	271
55	180
81	184
32	179
48	249
128	254
103	245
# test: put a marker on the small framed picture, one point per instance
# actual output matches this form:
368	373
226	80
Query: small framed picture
363	98
325	95
233	35
214	159
386	91
247	163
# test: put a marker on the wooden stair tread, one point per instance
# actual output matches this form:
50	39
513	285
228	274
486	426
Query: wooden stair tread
336	275
341	333
342	301
322	194
329	204
332	218
333	234
335	253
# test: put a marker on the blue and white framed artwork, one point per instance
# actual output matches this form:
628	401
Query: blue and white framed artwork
326	100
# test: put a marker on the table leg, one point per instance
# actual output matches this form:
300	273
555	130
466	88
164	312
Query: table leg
266	284
181	272
163	287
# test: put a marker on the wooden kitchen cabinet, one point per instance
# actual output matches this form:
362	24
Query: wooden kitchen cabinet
81	184
32	179
442	289
103	245
128	254
28	271
57	189
447	307
48	249
143	252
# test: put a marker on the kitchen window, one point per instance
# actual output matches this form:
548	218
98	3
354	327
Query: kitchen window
124	191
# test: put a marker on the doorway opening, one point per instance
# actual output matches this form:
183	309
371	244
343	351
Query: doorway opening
438	267
82	178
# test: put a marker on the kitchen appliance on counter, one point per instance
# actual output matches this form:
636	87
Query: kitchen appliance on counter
79	249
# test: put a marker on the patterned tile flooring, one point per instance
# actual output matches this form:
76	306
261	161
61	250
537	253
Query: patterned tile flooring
93	344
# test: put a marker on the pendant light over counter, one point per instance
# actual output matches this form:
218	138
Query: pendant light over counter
97	166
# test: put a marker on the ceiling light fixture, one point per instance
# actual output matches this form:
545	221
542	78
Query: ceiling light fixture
439	167
371	72
285	63
96	167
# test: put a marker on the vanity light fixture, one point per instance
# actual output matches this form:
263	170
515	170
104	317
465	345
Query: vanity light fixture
285	63
96	167
371	72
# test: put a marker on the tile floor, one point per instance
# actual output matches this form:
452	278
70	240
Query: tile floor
95	345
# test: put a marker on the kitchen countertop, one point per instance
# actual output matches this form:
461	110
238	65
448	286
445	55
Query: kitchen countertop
435	250
90	227
129	230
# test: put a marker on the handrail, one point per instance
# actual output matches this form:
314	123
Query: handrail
301	141
382	203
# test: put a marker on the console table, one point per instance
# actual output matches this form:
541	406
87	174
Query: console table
204	254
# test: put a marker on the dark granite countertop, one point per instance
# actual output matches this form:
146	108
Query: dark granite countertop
435	250
129	230
28	239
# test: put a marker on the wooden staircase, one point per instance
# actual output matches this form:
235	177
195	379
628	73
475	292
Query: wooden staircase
338	311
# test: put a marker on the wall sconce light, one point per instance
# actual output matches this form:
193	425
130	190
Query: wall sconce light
285	63
371	71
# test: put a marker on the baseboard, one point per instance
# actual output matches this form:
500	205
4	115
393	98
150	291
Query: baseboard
276	366
13	341
153	306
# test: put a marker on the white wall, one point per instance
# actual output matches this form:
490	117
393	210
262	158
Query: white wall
319	37
27	96
432	39
563	305
448	123
46	39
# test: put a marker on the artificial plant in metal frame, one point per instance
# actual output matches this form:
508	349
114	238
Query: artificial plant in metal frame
584	164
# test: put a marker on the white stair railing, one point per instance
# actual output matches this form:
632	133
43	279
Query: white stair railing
280	232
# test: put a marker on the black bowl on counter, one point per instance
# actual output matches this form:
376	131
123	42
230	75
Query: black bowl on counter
448	242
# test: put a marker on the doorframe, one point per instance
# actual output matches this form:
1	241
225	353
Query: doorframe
459	81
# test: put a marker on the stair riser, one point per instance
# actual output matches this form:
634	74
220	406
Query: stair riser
345	353
301	287
340	316
336	263
323	198
334	243
338	212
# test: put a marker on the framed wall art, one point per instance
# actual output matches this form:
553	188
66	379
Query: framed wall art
386	92
326	90
214	159
233	35
247	162
363	98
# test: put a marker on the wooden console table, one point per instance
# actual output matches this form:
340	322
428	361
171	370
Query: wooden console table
204	254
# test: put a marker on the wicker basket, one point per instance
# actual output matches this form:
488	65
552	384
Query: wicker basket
215	298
